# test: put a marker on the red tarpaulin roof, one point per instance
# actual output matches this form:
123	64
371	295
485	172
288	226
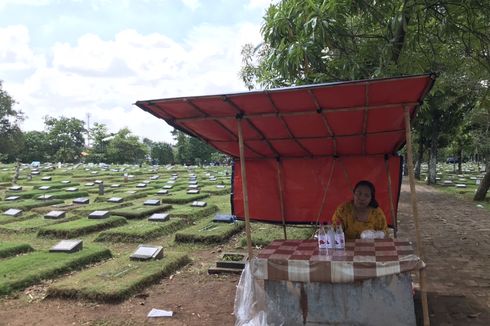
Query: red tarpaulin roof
314	142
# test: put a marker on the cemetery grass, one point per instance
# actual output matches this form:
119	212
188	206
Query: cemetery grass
33	224
139	210
117	279
207	231
80	227
12	249
21	271
263	234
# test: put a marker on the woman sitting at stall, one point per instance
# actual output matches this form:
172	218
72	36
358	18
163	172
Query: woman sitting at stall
361	213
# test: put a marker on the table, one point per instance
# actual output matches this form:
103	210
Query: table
367	283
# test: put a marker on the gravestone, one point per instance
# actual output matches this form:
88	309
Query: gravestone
167	187
146	181
193	182
68	246
212	179
193	187
116	185
55	215
15	188
170	182
154	177
159	217
460	185
98	181
44	188
224	218
141	185
193	191
35	172
90	184
66	181
46	178
220	186
199	204
162	192
152	202
45	197
12	198
99	215
81	200
94	172
14	212
115	200
131	192
146	252
71	189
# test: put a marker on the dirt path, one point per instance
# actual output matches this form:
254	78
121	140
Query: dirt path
456	238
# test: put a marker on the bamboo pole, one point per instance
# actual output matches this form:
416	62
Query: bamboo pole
423	293
244	188
281	198
390	194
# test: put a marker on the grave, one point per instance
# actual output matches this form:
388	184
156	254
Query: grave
224	218
141	185
131	192
193	182
35	172
193	191
193	186
147	181
199	204
159	217
99	215
66	181
447	183
81	200
90	184
12	198
460	185
94	172
212	179
230	262
45	197
55	214
146	252
14	212
98	181
220	186
115	200
154	177
44	188
170	182
15	188
162	192
68	246
116	185
152	202
167	187
46	178
71	189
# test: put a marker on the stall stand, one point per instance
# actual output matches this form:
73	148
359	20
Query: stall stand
298	152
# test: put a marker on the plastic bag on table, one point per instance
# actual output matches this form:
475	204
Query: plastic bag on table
371	234
250	302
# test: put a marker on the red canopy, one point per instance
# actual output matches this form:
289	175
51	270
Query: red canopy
305	147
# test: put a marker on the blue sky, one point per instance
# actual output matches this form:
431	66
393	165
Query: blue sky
97	57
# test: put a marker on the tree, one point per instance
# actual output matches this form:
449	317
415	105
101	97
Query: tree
319	41
162	153
11	143
37	145
100	138
65	137
126	148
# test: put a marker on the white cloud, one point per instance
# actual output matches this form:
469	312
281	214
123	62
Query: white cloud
15	53
253	4
105	77
191	4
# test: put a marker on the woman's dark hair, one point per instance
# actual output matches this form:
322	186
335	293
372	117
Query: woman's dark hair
373	203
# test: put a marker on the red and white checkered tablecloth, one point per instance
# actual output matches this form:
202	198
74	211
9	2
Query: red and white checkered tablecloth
301	261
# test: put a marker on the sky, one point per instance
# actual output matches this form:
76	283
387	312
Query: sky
80	58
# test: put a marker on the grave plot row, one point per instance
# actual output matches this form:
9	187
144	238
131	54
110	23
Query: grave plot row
8	249
139	212
117	279
80	227
140	231
207	231
193	213
33	224
263	234
29	204
181	197
5	218
22	271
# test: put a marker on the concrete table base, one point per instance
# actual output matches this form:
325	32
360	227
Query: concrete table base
380	301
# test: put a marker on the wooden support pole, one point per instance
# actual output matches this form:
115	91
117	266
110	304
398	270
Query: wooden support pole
419	249
244	188
390	194
281	197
